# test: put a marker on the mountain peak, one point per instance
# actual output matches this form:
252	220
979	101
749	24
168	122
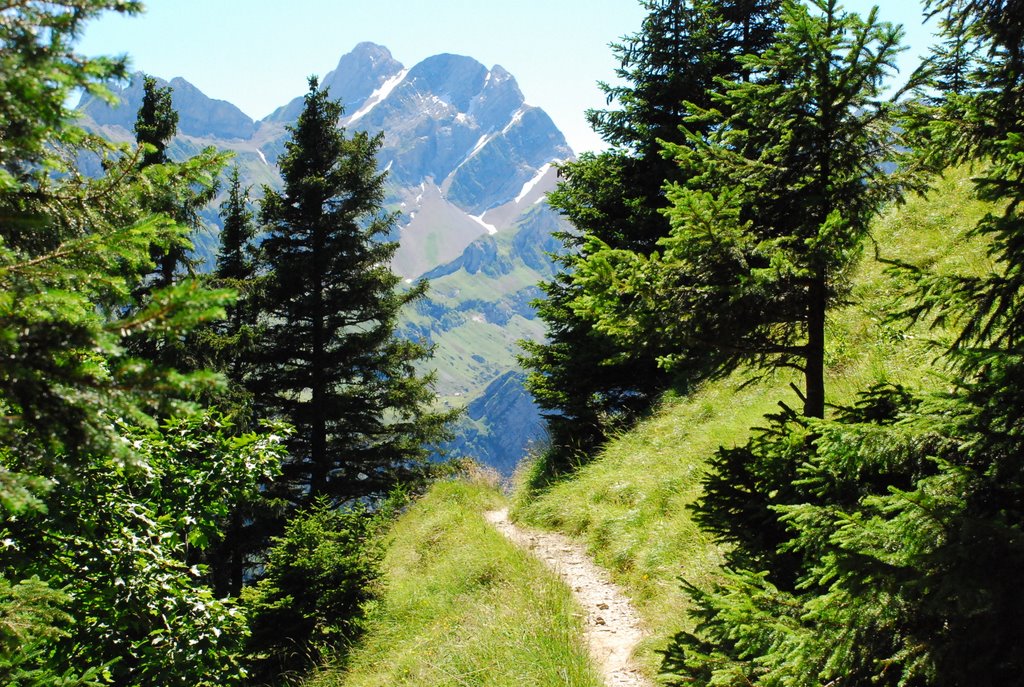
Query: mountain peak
368	50
454	78
358	75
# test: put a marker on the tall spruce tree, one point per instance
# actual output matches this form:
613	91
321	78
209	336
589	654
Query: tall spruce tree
782	178
331	363
585	378
228	346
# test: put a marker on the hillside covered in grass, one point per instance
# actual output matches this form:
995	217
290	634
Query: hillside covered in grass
631	502
447	616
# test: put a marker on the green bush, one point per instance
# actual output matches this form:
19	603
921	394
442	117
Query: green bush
309	603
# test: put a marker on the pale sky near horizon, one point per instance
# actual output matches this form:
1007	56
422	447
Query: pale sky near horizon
257	54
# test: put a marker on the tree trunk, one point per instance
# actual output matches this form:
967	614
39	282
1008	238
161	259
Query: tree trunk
814	363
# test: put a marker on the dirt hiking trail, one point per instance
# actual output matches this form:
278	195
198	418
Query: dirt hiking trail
612	627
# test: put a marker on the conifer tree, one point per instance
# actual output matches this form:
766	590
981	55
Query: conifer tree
228	346
772	210
331	363
156	122
894	529
236	258
237	267
581	374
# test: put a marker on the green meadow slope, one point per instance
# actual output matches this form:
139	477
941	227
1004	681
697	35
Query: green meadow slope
630	504
458	601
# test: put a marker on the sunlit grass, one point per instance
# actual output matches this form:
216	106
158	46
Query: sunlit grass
463	606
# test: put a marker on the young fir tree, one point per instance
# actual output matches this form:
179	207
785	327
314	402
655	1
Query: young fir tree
583	376
330	361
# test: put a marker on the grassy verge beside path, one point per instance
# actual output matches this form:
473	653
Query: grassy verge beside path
463	606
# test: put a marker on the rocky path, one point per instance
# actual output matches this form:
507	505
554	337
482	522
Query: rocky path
612	627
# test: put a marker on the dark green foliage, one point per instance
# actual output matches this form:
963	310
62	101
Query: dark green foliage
895	541
121	538
237	258
589	381
978	117
781	179
890	539
156	123
229	346
308	606
330	362
672	65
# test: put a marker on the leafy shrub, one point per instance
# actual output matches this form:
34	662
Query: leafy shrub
309	603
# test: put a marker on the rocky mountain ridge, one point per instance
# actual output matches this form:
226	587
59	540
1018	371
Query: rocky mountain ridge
469	163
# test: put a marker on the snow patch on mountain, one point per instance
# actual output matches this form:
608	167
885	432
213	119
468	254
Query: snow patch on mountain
479	219
484	140
532	183
516	118
378	96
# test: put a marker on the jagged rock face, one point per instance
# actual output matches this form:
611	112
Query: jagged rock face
198	115
468	129
500	446
508	160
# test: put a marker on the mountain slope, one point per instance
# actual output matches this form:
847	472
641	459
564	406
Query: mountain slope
468	162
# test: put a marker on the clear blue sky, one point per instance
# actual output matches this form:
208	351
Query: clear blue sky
258	53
